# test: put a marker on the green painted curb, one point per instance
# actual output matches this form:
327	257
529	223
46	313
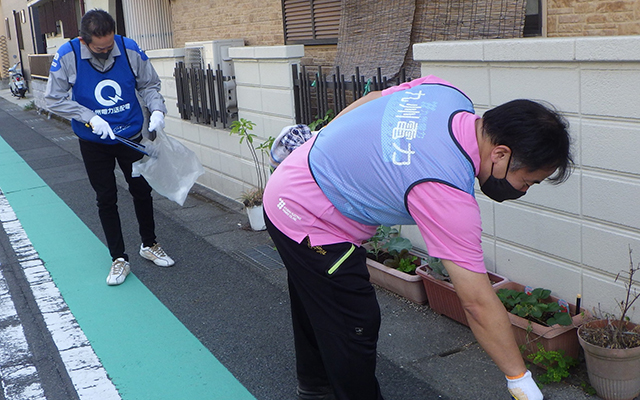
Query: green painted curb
145	349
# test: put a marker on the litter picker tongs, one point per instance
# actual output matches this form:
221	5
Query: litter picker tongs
150	151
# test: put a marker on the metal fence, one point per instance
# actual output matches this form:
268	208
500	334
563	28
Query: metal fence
205	96
318	94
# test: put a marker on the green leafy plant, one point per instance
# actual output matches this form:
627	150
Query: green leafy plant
251	198
386	241
242	128
320	122
377	241
535	306
30	106
392	250
402	261
437	268
265	147
588	389
555	362
397	244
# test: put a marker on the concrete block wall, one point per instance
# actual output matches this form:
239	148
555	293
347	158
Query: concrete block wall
572	238
37	87
264	84
265	96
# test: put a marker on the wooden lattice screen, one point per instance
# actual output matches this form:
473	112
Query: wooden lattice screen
380	33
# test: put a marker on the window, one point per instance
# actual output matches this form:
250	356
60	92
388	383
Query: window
311	21
533	18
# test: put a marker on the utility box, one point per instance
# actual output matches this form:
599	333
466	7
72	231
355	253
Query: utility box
216	52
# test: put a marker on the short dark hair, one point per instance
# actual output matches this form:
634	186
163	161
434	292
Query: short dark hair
96	23
537	136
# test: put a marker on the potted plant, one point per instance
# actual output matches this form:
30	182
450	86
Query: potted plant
391	264
252	199
441	295
612	347
538	318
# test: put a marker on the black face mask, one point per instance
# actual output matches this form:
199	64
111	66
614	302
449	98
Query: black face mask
101	56
500	189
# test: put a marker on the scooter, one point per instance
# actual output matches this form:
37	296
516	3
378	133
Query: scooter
17	84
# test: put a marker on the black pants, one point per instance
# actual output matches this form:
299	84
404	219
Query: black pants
335	315
100	162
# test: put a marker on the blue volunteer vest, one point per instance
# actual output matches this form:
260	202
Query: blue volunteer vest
367	162
110	94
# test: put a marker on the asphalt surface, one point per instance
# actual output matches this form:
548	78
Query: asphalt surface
228	288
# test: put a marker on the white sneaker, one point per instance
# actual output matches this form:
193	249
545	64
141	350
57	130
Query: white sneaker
156	254
119	271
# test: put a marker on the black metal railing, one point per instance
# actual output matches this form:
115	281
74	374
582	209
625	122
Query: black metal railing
205	96
316	92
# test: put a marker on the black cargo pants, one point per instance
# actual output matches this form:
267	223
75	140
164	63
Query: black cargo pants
335	315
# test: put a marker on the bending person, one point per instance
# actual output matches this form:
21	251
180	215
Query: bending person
407	155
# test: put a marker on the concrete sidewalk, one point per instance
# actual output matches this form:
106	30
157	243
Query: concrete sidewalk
229	287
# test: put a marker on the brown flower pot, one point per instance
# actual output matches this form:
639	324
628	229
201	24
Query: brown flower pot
614	373
406	285
552	338
442	297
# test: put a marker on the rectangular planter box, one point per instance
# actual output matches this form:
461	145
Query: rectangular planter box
442	296
553	338
406	285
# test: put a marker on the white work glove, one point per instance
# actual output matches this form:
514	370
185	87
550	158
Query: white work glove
156	121
524	388
101	128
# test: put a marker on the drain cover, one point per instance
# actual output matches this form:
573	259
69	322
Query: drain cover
264	256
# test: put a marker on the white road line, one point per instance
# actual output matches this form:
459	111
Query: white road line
63	138
18	375
83	366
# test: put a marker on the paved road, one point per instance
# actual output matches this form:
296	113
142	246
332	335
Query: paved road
216	326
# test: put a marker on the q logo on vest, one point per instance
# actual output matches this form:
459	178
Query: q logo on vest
112	95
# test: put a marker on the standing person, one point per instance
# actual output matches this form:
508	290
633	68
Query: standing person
104	71
407	155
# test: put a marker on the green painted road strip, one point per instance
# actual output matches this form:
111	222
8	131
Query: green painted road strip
145	349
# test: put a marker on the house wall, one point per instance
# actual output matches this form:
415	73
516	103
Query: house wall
593	18
572	238
13	52
107	5
258	22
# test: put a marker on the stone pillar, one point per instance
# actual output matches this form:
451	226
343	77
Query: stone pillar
264	82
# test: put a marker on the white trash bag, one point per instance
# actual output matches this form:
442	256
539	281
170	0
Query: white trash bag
171	170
